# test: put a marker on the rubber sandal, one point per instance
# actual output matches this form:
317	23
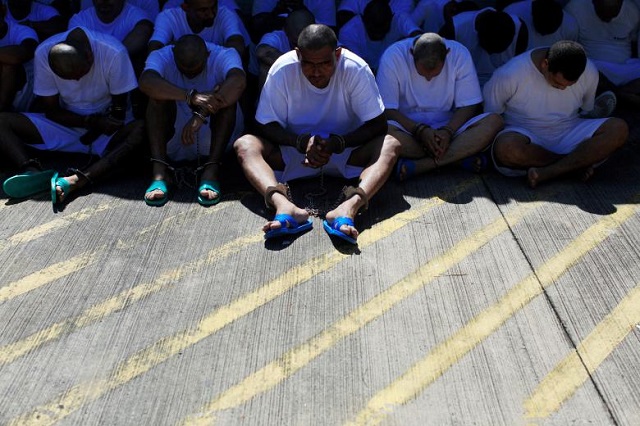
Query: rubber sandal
62	183
409	166
289	226
211	185
27	184
333	228
162	186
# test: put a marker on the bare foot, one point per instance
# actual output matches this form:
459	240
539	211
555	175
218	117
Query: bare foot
209	194
588	173
532	177
73	182
300	215
349	208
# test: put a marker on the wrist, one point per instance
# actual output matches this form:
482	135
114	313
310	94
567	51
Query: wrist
449	131
419	128
302	141
200	115
189	96
338	144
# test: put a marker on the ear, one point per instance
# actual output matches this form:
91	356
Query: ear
544	65
338	52
298	53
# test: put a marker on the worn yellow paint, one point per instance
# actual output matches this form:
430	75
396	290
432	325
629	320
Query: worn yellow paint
51	226
571	373
162	350
279	370
446	354
47	275
12	351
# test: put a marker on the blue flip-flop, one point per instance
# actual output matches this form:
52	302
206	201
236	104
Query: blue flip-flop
210	185
333	228
162	186
62	183
27	184
289	226
410	169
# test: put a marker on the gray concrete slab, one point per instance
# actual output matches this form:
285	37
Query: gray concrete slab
470	300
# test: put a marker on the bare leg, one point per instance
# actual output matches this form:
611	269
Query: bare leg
12	78
122	144
16	130
222	124
473	140
607	139
258	158
379	156
161	116
515	151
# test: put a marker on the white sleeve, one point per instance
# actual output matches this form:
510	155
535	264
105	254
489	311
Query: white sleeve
388	80
591	78
120	74
44	83
467	88
364	95
273	101
497	91
162	28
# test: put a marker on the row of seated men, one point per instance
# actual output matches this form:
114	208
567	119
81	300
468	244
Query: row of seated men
321	110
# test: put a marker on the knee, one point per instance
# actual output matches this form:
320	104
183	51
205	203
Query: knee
246	146
505	153
618	131
494	122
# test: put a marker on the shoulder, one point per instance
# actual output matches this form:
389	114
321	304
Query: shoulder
351	62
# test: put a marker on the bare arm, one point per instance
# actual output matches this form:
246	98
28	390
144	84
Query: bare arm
18	53
136	41
267	55
153	85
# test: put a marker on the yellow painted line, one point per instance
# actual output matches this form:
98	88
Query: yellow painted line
288	364
162	350
573	371
51	273
46	275
123	300
51	226
442	357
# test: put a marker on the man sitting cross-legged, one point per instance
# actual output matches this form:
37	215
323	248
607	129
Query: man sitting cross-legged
188	84
540	93
433	102
83	79
320	111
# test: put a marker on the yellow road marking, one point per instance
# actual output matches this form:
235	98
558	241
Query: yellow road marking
51	226
162	350
51	273
443	356
288	364
571	373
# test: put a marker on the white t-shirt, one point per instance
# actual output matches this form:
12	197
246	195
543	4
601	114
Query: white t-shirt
434	101
276	39
39	13
324	11
606	41
16	34
111	74
150	7
429	15
465	32
350	99
354	37
520	91
357	6
119	28
568	30
171	24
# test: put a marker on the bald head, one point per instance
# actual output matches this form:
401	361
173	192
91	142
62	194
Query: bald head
607	9
190	54
72	58
297	21
429	50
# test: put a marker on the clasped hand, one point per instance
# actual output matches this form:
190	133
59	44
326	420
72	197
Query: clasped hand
435	142
318	152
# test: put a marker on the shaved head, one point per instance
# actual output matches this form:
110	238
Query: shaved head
72	58
429	50
190	54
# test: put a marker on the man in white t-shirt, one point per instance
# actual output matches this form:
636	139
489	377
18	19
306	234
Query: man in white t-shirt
319	112
378	28
539	94
276	43
350	8
608	30
213	23
433	102
127	23
17	46
492	37
44	20
83	80
190	85
545	20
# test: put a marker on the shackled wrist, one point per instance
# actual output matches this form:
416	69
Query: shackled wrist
189	96
200	115
418	129
447	129
339	145
302	141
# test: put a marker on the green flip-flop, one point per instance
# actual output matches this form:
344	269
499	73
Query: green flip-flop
162	186
27	184
62	183
211	185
